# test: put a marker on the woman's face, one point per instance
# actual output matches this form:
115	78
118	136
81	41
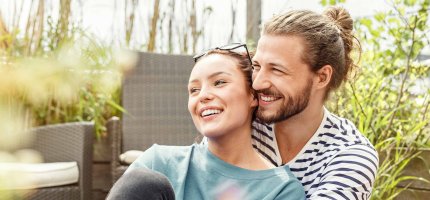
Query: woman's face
219	98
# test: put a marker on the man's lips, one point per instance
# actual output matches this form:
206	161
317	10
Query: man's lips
267	99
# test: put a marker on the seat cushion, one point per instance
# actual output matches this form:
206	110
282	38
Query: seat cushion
129	156
38	175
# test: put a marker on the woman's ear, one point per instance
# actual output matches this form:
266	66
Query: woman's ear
323	76
254	102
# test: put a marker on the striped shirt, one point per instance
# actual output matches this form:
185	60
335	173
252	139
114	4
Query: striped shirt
338	162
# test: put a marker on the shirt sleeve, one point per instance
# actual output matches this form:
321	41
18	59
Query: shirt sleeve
350	175
145	160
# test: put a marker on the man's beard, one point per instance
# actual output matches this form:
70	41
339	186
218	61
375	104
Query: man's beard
293	106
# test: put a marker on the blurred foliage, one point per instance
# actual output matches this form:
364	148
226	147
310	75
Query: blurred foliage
68	85
331	2
387	99
73	83
55	72
55	37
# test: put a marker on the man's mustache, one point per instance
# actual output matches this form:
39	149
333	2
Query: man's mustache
270	92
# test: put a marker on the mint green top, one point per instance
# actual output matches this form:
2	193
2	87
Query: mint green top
195	173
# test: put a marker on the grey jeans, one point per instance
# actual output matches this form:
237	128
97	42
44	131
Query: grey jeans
142	183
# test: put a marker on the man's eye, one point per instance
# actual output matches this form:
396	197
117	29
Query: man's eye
219	82
276	70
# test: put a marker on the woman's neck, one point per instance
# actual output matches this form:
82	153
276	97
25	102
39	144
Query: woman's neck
236	149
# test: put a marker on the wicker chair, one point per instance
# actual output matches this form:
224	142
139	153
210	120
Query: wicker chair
155	97
64	143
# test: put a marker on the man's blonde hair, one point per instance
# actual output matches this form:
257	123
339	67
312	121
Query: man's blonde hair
328	39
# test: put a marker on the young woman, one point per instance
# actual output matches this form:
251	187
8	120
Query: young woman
221	103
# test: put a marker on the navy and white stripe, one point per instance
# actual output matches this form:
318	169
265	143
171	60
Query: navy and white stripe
338	162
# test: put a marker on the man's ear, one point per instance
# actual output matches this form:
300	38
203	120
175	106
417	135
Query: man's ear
323	76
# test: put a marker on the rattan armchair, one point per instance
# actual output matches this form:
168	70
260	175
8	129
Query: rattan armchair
64	143
155	97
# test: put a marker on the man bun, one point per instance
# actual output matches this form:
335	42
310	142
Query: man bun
340	17
344	22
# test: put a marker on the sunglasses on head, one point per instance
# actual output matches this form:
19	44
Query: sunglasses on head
229	47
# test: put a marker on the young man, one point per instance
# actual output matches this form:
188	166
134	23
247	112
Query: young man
301	57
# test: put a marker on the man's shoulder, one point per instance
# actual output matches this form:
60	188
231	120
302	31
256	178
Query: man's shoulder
345	142
339	138
342	131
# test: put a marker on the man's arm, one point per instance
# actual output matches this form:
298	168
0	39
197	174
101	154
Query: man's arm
349	175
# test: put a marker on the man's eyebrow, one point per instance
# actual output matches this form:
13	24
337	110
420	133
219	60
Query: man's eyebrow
213	75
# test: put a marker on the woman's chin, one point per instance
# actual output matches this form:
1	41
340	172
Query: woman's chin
211	134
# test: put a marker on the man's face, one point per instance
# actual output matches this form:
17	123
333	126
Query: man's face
281	78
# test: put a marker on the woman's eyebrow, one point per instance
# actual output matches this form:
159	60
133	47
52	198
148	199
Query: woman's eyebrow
218	73
212	75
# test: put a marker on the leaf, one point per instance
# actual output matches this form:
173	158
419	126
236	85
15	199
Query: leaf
323	2
380	16
409	2
375	33
116	106
366	22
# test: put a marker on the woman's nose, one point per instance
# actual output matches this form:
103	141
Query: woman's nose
205	95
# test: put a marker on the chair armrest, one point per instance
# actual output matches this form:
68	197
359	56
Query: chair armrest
69	142
115	132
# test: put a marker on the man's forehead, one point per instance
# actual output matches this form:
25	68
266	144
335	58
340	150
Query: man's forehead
280	44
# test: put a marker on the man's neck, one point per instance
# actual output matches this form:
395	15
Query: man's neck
292	134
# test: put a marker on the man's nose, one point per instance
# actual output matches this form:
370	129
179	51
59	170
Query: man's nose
260	80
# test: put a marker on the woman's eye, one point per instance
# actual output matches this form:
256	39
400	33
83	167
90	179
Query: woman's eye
219	82
193	90
255	67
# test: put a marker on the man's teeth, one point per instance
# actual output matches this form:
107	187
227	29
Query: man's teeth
268	98
210	112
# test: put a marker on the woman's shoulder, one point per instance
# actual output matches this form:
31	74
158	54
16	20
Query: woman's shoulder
160	156
170	148
168	152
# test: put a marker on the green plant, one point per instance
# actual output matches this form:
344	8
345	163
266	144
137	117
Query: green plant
381	99
62	44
